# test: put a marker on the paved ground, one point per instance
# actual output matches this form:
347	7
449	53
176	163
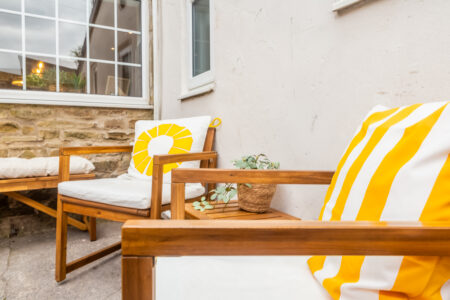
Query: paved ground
27	266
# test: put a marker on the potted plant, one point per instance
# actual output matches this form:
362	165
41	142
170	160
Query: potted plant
251	197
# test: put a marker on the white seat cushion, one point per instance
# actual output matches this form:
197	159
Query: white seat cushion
123	191
237	277
13	167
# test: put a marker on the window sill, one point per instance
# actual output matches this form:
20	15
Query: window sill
66	99
198	91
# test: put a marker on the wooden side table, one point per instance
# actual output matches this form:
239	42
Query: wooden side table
233	212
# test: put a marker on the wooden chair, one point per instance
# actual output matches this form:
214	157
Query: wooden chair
95	210
142	241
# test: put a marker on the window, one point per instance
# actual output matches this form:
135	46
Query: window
74	52
200	48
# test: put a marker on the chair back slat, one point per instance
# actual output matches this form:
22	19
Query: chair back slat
209	144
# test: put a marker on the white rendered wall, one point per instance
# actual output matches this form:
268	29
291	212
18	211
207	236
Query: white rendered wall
294	79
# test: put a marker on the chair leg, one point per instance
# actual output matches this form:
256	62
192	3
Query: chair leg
92	227
61	243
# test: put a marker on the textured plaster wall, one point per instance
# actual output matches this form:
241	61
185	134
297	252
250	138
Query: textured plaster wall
294	79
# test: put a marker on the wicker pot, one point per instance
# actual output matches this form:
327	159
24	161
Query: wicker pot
257	198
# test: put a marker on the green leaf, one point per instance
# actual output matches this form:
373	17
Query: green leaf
209	206
196	203
214	196
203	198
197	207
248	185
202	209
233	193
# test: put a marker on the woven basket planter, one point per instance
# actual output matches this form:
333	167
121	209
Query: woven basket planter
257	198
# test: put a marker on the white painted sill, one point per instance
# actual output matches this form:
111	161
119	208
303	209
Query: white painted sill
341	4
205	89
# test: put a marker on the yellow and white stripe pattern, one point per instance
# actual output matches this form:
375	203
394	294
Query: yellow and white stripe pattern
396	168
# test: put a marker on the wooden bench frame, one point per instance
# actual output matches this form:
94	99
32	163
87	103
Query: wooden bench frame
143	240
95	210
12	187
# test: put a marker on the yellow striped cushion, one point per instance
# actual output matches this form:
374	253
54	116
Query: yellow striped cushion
397	167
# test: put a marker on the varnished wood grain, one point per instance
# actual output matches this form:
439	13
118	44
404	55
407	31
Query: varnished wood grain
103	206
37	183
172	158
94	150
137	278
233	212
43	208
251	176
178	196
80	262
111	212
159	238
61	242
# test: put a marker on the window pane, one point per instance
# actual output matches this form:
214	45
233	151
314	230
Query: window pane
41	7
72	39
102	12
101	43
10	31
74	10
11	71
41	73
72	76
40	35
102	79
130	81
200	37
129	14
129	47
10	4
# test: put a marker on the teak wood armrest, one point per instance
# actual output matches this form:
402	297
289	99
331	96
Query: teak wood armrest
143	240
157	177
172	158
94	150
182	176
243	237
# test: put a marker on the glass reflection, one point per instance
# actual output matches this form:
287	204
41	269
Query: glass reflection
101	43
11	71
74	10
102	12
41	7
129	14
102	79
129	45
11	31
40	35
200	37
72	76
72	39
41	73
130	81
10	4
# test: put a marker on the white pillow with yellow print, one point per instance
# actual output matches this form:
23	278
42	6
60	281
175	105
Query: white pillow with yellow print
176	136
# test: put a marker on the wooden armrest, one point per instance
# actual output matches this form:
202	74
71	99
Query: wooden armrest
94	150
183	237
251	176
172	158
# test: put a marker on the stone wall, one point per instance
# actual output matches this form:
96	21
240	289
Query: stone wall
37	130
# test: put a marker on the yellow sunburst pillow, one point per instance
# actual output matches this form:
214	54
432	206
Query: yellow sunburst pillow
175	136
396	168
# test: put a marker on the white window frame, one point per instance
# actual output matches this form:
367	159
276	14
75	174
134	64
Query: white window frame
204	82
74	99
